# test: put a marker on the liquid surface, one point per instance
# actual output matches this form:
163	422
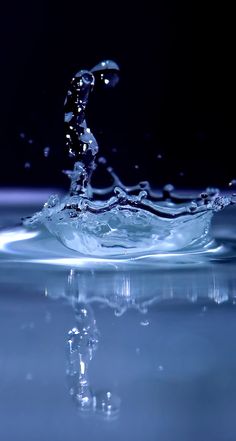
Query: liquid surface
118	353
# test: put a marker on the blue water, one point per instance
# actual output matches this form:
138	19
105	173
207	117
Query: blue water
165	350
119	221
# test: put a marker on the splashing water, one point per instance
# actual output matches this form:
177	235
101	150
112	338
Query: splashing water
131	220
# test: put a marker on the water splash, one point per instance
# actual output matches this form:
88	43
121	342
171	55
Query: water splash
80	141
119	220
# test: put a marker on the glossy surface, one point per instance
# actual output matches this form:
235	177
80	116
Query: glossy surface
156	347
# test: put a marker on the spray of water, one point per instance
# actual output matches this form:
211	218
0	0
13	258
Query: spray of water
132	219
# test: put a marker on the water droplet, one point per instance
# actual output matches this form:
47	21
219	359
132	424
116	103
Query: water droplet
160	368
159	156
193	206
137	350
232	183
106	64
144	323
102	160
22	135
30	141
52	201
46	151
136	166
27	165
168	188
107	404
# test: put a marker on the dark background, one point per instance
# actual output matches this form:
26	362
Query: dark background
176	97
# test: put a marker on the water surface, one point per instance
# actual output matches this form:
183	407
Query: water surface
165	343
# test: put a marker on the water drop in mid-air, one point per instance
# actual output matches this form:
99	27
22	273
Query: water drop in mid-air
46	152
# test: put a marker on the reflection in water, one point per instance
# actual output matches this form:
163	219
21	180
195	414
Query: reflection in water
82	343
122	291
